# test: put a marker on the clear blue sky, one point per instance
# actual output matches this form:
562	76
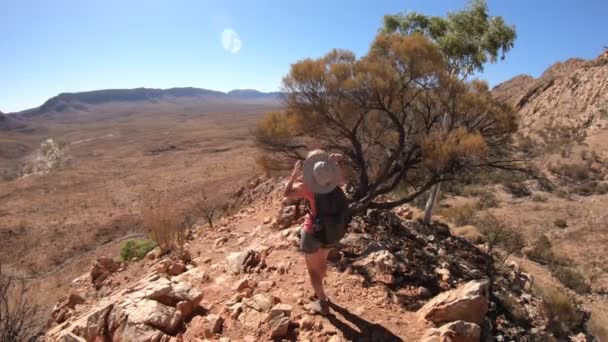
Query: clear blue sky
48	47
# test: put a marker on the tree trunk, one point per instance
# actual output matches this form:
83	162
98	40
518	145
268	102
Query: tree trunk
428	210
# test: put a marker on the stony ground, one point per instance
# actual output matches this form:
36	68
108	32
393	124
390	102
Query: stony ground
244	280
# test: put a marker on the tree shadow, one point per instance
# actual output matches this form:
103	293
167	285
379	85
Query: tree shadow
368	331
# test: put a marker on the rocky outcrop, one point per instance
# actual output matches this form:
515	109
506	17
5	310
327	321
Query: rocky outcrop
571	94
150	310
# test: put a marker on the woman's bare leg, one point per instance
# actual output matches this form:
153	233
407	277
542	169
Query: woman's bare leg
314	264
323	262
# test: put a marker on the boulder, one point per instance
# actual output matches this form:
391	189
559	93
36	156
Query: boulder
458	331
241	262
241	285
469	302
176	268
379	265
279	326
215	323
102	268
251	318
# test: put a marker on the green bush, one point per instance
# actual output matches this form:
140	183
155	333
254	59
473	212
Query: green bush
135	248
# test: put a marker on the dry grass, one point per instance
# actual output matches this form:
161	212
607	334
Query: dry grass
559	308
460	215
18	321
470	233
165	227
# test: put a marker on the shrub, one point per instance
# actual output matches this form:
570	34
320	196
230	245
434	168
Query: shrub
559	307
575	172
470	233
17	314
135	248
460	215
601	189
570	278
517	189
560	223
587	188
539	198
165	227
563	193
487	200
499	233
541	250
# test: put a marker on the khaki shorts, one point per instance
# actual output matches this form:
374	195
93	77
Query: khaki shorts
309	243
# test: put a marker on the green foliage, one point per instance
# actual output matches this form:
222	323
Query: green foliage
135	249
384	112
468	38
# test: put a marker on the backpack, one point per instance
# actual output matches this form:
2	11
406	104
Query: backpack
332	216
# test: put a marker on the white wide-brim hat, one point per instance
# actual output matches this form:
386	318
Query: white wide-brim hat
321	174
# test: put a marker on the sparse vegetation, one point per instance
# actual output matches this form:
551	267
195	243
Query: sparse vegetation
207	210
17	314
517	189
501	234
560	223
460	215
541	250
487	200
470	233
571	278
574	172
165	227
135	249
559	308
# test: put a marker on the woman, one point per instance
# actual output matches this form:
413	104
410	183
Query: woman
319	174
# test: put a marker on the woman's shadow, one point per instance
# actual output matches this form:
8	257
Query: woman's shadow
367	331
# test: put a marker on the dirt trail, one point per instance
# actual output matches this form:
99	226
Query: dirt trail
361	312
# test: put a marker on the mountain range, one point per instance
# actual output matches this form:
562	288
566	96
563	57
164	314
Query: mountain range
81	100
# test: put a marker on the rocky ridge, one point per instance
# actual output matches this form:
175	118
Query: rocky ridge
571	94
393	279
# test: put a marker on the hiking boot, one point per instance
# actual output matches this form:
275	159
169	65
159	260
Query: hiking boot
320	307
